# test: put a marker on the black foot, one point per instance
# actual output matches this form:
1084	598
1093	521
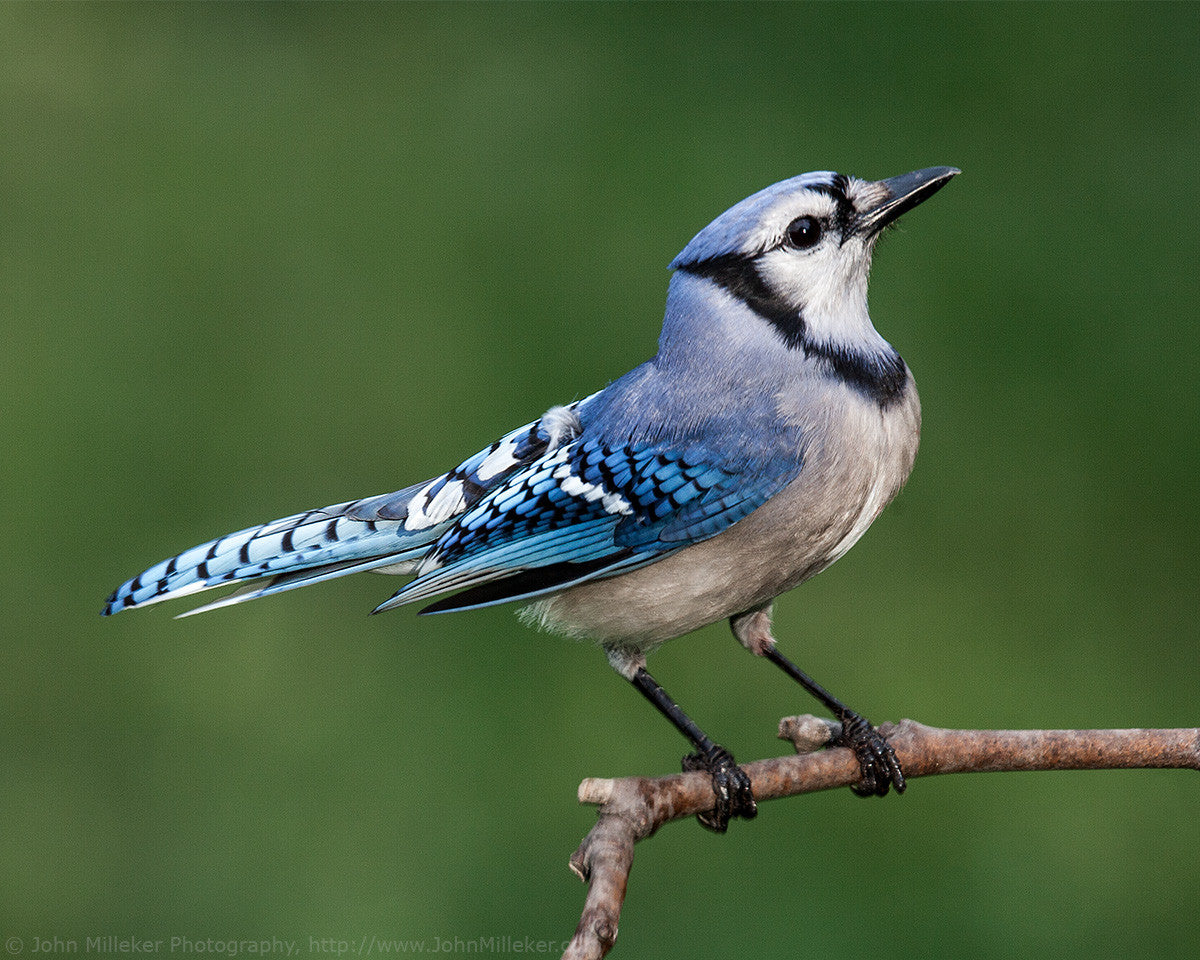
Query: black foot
876	758
730	784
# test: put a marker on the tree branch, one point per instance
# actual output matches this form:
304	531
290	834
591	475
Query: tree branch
633	808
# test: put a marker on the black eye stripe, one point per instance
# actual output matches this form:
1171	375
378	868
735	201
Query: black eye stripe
843	217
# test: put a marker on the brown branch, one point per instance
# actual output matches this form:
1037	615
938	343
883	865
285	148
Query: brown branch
633	808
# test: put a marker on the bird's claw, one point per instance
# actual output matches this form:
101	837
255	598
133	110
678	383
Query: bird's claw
876	759
731	784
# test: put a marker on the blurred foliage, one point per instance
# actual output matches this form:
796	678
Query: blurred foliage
260	258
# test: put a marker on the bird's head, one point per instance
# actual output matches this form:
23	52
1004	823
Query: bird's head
798	252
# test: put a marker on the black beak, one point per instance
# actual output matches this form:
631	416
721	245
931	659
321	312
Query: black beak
902	194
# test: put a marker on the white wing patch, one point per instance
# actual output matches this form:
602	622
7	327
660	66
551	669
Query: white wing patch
417	519
559	424
496	462
424	512
574	486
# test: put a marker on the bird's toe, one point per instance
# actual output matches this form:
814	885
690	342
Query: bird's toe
876	759
731	787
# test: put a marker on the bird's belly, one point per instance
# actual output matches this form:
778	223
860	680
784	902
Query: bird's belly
793	536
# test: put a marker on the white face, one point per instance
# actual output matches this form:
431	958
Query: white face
816	260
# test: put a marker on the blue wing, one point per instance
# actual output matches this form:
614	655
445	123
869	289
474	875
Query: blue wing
590	510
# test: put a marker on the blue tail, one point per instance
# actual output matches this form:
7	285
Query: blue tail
292	552
389	533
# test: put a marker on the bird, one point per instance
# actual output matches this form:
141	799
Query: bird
758	444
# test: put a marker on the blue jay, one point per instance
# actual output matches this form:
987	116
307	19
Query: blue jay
769	431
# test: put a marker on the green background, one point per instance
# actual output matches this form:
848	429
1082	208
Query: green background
255	259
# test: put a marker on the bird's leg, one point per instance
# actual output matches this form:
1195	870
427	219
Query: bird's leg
730	782
876	758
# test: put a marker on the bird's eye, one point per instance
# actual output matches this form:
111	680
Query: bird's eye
804	232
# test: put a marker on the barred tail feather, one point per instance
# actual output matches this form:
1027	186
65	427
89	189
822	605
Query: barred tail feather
400	563
292	552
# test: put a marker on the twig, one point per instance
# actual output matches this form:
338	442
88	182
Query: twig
633	808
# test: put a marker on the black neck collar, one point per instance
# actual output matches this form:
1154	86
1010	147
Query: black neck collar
880	376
